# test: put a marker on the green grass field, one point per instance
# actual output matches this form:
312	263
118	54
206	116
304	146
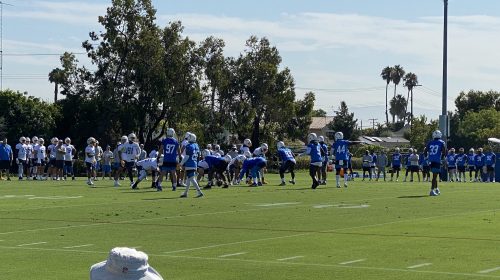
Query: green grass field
371	230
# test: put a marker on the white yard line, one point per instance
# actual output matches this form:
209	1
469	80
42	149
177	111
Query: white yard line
387	269
419	265
232	255
489	270
290	258
354	261
29	244
78	246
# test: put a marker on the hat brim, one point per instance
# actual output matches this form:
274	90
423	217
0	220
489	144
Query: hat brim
99	272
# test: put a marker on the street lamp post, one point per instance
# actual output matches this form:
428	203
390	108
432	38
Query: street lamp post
443	120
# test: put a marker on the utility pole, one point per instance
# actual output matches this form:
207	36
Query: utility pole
443	119
1	43
373	122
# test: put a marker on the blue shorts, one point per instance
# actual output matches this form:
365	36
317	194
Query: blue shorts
436	167
106	168
190	173
339	166
116	165
169	166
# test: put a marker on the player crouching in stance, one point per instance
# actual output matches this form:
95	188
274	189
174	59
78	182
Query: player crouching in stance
143	166
436	150
90	160
190	164
254	165
217	166
288	162
314	151
234	167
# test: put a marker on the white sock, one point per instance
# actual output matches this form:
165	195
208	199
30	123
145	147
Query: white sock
345	178
337	179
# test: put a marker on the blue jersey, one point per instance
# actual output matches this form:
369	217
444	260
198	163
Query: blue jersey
215	162
170	147
285	154
451	159
407	160
254	164
490	158
461	160
471	158
423	160
192	152
314	151
396	159
435	149
5	152
340	148
479	160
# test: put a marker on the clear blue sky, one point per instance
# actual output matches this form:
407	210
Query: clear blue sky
337	47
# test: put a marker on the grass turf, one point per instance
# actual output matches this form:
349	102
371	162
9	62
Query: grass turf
371	230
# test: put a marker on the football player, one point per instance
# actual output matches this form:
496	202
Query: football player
190	164
171	152
130	153
68	159
90	160
340	149
489	160
314	152
436	149
396	163
461	159
253	165
288	162
21	157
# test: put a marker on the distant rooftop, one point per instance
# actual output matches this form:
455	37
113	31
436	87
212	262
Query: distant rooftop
320	122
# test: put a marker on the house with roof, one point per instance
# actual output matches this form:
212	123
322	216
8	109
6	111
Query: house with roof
385	142
319	126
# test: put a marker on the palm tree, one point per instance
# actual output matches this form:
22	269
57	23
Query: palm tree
410	81
56	76
396	75
398	107
386	76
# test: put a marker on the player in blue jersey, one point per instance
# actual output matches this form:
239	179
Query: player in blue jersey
424	165
340	150
217	166
436	150
470	163
288	162
396	163
451	162
489	160
314	152
479	164
254	166
190	164
324	154
170	150
461	159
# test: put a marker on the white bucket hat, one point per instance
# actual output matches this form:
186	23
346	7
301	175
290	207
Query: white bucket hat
124	263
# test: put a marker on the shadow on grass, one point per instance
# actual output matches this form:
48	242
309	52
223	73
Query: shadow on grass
413	196
161	198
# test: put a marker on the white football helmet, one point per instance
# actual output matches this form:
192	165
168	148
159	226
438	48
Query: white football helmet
124	139
28	140
437	134
312	137
241	158
209	146
205	153
186	136
132	137
410	150
280	145
34	139
264	147
247	142
170	132
67	140
91	140
227	158
321	139
41	141
471	150
22	139
191	138
217	147
339	135
55	140
397	150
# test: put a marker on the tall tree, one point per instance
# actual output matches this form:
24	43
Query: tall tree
386	76
57	77
410	81
319	113
476	101
398	107
344	122
396	75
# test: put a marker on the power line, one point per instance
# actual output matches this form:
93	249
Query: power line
40	54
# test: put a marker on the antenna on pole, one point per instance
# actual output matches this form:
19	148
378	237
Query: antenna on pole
1	42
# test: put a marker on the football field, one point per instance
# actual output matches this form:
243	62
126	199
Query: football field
371	230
